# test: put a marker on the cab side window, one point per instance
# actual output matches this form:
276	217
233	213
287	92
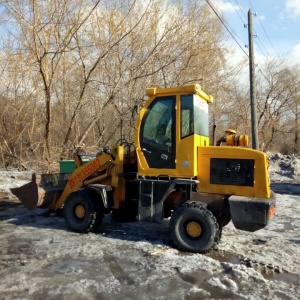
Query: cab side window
187	116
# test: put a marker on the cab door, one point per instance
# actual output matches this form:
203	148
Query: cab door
157	134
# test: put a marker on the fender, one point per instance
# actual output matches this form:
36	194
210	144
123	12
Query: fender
104	192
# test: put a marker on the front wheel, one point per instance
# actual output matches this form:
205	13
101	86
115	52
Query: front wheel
194	228
82	213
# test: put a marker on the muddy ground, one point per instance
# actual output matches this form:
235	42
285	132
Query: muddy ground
41	259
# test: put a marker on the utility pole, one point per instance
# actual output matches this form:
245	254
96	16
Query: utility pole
252	84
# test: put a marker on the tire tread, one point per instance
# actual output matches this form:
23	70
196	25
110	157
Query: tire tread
198	207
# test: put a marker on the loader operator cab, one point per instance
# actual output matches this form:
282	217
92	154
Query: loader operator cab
173	123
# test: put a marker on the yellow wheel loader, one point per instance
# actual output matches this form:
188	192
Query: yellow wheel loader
170	171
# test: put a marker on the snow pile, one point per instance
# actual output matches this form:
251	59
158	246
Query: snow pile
284	167
13	178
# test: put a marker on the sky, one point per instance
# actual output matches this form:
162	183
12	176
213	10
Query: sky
276	26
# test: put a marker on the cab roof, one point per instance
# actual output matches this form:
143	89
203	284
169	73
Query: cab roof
186	89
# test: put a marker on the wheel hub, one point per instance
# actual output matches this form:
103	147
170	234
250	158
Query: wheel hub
80	211
194	229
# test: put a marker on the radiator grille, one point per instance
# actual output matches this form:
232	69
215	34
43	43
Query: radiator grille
232	171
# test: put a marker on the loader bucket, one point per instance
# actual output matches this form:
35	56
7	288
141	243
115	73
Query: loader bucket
42	191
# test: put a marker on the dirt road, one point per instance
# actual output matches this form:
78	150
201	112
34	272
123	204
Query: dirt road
41	259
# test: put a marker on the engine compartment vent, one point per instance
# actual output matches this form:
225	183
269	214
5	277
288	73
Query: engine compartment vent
232	171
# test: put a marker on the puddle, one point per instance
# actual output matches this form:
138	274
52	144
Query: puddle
289	278
285	277
289	188
284	226
224	257
288	226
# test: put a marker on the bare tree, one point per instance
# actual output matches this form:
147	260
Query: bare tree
275	95
47	30
86	65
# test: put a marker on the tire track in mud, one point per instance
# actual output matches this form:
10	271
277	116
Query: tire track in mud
117	271
267	270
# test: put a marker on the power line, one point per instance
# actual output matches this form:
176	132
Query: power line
258	39
226	26
246	24
264	30
241	10
243	21
260	48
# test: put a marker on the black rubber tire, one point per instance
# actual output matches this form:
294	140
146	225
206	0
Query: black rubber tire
194	212
93	215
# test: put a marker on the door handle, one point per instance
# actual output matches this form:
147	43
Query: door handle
144	149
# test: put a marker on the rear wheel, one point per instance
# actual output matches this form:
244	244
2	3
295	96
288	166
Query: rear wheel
194	228
82	213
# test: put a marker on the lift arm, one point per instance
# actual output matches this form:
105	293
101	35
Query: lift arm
77	178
